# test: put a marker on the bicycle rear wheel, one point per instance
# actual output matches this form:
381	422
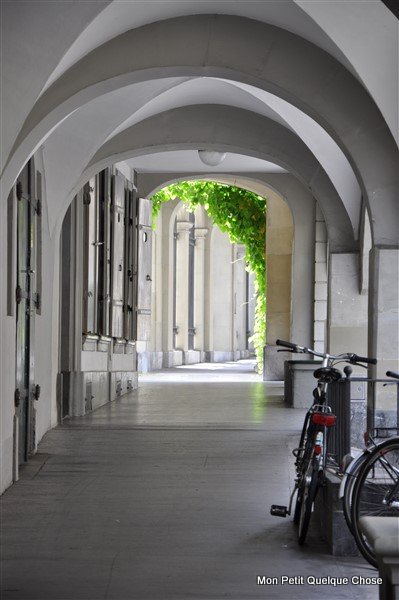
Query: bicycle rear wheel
308	495
376	491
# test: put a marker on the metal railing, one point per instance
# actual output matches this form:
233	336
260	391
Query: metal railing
350	428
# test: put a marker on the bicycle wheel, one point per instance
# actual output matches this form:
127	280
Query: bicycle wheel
376	491
308	495
351	478
298	506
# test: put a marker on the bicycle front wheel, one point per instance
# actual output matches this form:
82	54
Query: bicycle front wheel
376	491
308	494
349	486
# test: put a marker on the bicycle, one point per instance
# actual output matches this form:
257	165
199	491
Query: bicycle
312	454
370	486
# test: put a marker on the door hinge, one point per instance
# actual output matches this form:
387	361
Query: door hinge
38	207
18	294
36	392
17	398
87	197
19	190
37	301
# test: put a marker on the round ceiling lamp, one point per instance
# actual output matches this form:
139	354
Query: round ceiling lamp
211	158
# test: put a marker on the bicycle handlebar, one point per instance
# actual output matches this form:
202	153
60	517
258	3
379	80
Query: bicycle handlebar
286	344
355	358
350	357
392	374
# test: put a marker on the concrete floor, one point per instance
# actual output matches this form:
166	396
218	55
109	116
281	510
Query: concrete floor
165	494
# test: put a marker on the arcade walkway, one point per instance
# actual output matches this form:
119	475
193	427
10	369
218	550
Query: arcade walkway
164	495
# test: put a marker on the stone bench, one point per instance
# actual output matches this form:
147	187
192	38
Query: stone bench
383	535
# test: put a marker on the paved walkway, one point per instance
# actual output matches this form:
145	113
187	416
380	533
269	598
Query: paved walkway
165	494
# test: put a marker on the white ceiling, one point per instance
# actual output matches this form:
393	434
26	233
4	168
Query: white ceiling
188	161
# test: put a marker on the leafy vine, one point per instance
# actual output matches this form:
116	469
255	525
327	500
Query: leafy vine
241	214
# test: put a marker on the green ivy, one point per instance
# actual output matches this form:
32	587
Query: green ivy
241	214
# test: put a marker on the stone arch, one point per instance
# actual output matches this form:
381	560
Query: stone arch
235	130
301	204
244	50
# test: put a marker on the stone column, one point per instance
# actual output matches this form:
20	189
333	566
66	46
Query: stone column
320	283
199	289
209	296
182	266
239	304
167	281
383	336
279	237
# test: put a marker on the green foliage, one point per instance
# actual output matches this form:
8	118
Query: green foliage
241	214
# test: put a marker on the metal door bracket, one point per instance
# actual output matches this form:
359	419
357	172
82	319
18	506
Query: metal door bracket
37	301
17	398
18	189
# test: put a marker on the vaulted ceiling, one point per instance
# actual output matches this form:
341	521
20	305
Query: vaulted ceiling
77	75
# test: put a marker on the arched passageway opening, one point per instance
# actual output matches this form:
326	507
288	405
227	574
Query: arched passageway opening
240	214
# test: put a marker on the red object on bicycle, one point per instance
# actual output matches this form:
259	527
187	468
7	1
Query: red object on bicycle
327	420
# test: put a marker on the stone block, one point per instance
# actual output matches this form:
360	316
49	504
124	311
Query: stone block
299	382
320	291
273	364
320	252
191	357
330	519
319	330
321	232
172	358
321	272
319	346
320	310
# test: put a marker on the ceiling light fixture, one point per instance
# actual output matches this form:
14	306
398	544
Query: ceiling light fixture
211	158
